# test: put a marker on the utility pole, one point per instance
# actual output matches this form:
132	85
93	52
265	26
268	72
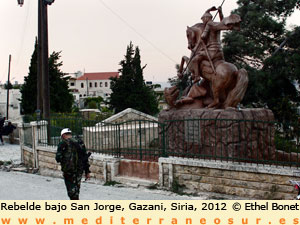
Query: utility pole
39	99
43	91
7	100
44	57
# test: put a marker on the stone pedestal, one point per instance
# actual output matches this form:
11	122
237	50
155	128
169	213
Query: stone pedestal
240	135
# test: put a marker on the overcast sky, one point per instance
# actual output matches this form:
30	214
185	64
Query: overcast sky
93	34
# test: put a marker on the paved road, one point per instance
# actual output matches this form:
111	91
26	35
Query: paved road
24	186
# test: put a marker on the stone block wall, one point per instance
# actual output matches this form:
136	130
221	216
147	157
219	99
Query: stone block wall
103	167
46	162
27	155
244	180
194	175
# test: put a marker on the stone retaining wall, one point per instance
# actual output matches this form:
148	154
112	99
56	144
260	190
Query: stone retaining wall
103	167
27	155
46	162
244	180
192	175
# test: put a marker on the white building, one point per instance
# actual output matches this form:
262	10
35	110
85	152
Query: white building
91	85
14	104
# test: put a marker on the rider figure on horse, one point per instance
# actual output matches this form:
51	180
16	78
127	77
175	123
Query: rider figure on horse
210	42
208	48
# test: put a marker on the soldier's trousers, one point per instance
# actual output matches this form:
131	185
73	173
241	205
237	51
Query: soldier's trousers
72	182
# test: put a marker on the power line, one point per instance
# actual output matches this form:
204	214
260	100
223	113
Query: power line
138	33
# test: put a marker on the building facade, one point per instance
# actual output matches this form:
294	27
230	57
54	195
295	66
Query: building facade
14	109
91	85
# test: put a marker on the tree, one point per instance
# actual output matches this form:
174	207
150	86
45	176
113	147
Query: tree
93	102
271	77
8	86
17	86
61	99
28	90
130	90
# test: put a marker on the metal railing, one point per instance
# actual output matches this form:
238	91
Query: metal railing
249	141
260	142
137	139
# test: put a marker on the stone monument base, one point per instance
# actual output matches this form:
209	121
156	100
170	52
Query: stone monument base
227	134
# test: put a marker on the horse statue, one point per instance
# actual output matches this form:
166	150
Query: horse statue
215	82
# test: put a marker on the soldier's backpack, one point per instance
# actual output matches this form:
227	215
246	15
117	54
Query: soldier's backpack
73	157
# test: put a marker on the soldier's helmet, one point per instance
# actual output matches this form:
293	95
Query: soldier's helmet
65	131
207	15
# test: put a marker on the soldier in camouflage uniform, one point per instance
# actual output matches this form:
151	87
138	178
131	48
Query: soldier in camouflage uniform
72	156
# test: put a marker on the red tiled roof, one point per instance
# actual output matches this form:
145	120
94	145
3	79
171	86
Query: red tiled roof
98	76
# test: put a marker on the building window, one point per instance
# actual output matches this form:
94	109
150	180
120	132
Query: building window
95	84
100	84
105	84
84	95
72	84
82	85
91	84
80	96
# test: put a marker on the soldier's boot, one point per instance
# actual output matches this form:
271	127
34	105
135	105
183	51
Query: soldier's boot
74	198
